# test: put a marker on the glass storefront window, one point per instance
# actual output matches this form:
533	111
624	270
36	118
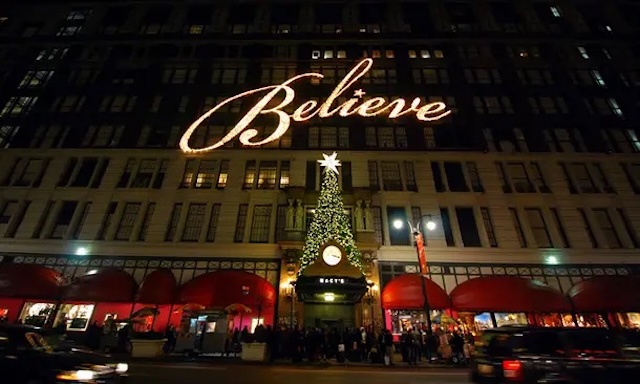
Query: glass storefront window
403	320
36	314
503	319
75	316
591	320
629	319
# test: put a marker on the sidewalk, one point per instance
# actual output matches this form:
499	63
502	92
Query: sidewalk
233	361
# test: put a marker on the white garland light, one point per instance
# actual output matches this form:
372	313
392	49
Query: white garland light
330	223
372	107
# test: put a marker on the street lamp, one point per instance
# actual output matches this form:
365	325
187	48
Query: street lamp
419	241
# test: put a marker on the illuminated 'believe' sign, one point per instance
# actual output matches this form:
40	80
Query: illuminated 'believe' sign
374	106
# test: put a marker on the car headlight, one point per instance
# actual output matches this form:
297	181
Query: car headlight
122	368
79	375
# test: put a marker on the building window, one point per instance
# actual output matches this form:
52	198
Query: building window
63	220
391	179
127	221
607	228
146	221
328	137
9	209
386	137
35	79
83	172
11	217
261	224
241	223
587	227
492	105
179	75
374	182
468	227
580	178
632	172
522	179
195	220
67	31
103	136
213	223
446	227
143	173
559	225
539	228
26	173
631	232
17	106
205	174
430	76
377	225
172	228
517	224
118	103
399	233
264	175
106	221
228	76
488	225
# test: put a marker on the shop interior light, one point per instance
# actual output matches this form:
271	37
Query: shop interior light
398	224
329	297
552	260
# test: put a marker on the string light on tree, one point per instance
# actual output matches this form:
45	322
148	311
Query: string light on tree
330	222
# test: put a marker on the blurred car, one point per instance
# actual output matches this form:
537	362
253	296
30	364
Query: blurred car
27	358
552	355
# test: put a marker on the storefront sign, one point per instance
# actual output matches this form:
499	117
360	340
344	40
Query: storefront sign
331	281
372	107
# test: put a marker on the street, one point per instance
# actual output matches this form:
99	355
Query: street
185	373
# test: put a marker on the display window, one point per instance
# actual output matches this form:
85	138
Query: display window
591	320
627	320
504	319
197	324
36	314
75	316
255	323
403	320
4	314
554	320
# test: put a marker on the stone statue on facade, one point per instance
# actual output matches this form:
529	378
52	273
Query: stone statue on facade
290	215
368	216
299	215
359	216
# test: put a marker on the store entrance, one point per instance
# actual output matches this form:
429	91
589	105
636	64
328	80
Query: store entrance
330	316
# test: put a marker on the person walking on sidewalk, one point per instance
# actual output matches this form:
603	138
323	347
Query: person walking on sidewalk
386	346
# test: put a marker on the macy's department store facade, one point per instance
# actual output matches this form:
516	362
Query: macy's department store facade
45	290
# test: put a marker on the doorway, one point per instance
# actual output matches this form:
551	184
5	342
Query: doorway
339	316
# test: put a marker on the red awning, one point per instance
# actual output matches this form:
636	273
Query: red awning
405	292
508	294
606	294
108	285
223	288
29	281
158	287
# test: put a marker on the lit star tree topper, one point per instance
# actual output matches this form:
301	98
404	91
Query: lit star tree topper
330	222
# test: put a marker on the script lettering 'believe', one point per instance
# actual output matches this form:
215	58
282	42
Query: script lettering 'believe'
375	106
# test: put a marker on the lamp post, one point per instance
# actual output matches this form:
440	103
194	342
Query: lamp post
422	262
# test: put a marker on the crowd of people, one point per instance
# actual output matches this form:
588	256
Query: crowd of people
357	344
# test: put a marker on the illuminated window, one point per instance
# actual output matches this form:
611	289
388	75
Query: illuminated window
68	31
143	174
555	11
16	106
328	54
583	52
342	54
412	54
196	29
35	79
204	174
389	54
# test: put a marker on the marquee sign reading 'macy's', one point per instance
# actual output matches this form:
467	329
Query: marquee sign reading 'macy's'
375	106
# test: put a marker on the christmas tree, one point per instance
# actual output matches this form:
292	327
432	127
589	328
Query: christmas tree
330	223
